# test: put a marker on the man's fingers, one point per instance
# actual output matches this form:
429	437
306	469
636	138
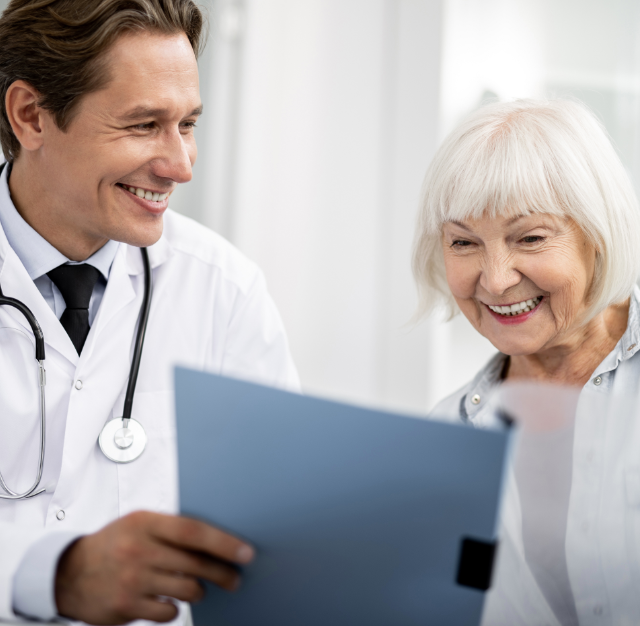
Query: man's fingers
124	571
197	566
156	610
170	559
200	537
184	588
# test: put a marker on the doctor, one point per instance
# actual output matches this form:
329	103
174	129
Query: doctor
99	100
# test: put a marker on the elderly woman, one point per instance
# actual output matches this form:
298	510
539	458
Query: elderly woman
530	227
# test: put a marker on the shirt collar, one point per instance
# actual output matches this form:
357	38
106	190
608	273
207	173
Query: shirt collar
36	254
629	343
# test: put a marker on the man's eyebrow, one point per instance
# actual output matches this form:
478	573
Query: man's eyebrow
143	112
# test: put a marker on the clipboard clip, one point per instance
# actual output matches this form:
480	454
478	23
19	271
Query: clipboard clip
475	566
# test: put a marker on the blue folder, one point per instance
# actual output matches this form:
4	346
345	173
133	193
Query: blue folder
359	517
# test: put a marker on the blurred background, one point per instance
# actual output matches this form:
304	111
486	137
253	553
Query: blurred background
321	117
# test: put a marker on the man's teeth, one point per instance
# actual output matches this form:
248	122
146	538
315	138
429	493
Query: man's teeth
516	309
148	195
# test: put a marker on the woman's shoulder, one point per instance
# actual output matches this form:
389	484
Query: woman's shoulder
458	406
449	409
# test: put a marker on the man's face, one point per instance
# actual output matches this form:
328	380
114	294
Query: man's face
109	175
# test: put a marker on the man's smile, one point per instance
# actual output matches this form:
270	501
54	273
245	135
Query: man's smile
145	194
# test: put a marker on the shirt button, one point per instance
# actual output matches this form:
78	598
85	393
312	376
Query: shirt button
78	385
585	527
597	610
60	515
475	399
591	455
597	380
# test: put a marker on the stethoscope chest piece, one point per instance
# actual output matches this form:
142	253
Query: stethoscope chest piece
120	444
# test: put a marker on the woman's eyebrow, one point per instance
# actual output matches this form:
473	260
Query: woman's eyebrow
513	220
461	224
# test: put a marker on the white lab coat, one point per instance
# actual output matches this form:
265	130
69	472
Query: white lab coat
210	310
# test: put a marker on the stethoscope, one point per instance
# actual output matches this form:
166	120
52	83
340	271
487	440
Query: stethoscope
122	439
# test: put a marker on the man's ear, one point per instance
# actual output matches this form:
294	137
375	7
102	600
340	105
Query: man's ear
25	116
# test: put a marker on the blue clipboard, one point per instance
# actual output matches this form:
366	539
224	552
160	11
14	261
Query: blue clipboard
359	517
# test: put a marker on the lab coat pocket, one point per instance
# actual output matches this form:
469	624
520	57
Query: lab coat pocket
151	481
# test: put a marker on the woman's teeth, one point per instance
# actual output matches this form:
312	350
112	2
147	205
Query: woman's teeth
516	309
147	195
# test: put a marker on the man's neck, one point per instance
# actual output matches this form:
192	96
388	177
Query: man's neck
45	215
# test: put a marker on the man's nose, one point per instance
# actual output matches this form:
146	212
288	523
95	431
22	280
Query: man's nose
175	158
499	274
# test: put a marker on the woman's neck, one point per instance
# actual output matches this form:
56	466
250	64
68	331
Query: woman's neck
573	361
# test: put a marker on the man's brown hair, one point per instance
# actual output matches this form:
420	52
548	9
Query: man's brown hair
58	46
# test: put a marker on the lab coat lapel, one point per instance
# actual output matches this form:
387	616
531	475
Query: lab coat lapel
118	294
126	272
104	370
16	283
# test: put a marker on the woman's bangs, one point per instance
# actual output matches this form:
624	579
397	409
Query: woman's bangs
504	180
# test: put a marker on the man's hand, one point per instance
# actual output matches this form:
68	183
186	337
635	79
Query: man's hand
117	574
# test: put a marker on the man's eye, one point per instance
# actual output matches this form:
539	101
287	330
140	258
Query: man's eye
145	126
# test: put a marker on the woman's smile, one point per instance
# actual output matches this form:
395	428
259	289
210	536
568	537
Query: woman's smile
516	313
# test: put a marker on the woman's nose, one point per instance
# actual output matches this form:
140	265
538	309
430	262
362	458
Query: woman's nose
499	274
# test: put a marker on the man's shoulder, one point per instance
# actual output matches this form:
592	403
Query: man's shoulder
192	241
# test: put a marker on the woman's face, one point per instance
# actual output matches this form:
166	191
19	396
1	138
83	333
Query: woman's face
540	266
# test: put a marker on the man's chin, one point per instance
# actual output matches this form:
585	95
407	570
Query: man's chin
141	235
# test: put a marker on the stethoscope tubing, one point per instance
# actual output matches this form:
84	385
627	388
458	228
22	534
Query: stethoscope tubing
39	350
42	379
142	329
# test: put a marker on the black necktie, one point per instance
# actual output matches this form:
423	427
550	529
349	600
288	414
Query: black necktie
76	283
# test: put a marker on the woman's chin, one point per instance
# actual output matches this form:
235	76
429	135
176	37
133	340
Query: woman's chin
521	339
518	350
517	347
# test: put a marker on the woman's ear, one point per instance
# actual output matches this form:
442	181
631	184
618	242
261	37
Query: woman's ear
25	115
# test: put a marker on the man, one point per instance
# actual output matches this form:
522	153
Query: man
99	101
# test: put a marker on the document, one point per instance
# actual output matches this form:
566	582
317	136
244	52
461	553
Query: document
358	517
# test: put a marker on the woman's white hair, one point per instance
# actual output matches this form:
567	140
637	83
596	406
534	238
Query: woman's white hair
523	157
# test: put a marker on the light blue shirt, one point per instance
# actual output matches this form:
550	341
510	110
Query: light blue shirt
576	570
33	593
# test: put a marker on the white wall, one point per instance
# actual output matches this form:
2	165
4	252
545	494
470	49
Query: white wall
338	120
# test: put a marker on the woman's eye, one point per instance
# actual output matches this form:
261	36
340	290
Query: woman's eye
460	243
532	239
